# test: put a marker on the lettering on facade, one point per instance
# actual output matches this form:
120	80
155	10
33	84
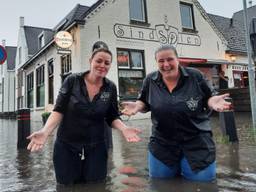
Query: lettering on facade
162	33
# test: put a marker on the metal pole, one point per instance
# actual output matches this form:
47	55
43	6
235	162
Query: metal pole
251	72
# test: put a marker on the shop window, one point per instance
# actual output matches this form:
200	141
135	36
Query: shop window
40	92
131	72
138	11
187	17
30	90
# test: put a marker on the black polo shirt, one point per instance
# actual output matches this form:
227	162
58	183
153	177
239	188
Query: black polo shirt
84	120
181	125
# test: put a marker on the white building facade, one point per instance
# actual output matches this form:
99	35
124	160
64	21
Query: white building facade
7	82
133	29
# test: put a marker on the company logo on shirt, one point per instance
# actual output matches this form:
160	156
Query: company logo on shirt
192	104
105	96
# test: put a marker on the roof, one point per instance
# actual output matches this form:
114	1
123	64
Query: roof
233	31
11	54
32	34
251	12
76	14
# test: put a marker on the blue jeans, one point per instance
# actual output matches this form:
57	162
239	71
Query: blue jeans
157	169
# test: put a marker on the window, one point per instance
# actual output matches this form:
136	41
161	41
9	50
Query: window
20	55
20	79
41	41
138	11
20	102
40	86
30	90
50	81
66	66
130	72
187	16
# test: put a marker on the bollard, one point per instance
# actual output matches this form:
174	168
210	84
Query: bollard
23	120
227	123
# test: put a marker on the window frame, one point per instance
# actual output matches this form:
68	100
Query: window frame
30	88
40	82
192	18
137	21
143	69
68	65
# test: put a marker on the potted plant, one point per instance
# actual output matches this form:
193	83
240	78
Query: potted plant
45	116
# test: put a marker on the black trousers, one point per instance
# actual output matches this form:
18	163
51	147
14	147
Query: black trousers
71	168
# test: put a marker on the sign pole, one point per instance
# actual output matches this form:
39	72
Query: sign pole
251	71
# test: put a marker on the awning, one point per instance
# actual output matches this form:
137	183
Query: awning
188	61
222	61
184	60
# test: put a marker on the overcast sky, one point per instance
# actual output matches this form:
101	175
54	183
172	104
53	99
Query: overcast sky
47	13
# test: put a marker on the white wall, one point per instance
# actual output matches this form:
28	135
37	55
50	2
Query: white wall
19	62
118	12
9	92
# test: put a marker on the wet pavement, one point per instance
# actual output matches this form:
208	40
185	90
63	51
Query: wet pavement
23	171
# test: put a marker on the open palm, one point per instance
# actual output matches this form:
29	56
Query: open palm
131	134
129	108
37	140
218	103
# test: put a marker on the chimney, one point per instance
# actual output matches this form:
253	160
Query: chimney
250	3
3	42
21	21
231	22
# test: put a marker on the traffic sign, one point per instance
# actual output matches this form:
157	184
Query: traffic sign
3	54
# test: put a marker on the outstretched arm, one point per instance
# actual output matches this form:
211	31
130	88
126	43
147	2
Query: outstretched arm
38	138
129	133
131	108
218	103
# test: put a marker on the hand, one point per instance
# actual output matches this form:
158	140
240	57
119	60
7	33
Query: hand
131	134
129	108
37	140
218	103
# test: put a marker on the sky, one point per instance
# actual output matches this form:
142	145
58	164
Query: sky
47	13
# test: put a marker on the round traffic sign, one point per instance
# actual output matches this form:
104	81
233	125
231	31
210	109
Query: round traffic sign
3	54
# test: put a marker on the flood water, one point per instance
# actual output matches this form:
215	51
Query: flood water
23	171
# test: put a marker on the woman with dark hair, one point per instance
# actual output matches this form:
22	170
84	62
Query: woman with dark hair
86	101
181	140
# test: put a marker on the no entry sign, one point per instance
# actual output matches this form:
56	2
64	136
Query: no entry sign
3	54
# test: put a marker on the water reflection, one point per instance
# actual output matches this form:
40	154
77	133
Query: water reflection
182	185
21	170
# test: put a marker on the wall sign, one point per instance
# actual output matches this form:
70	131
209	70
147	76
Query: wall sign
162	33
63	39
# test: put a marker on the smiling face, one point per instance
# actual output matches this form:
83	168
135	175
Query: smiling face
168	63
100	64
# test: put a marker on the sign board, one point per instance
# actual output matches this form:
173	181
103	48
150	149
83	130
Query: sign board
63	39
63	51
3	54
163	33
